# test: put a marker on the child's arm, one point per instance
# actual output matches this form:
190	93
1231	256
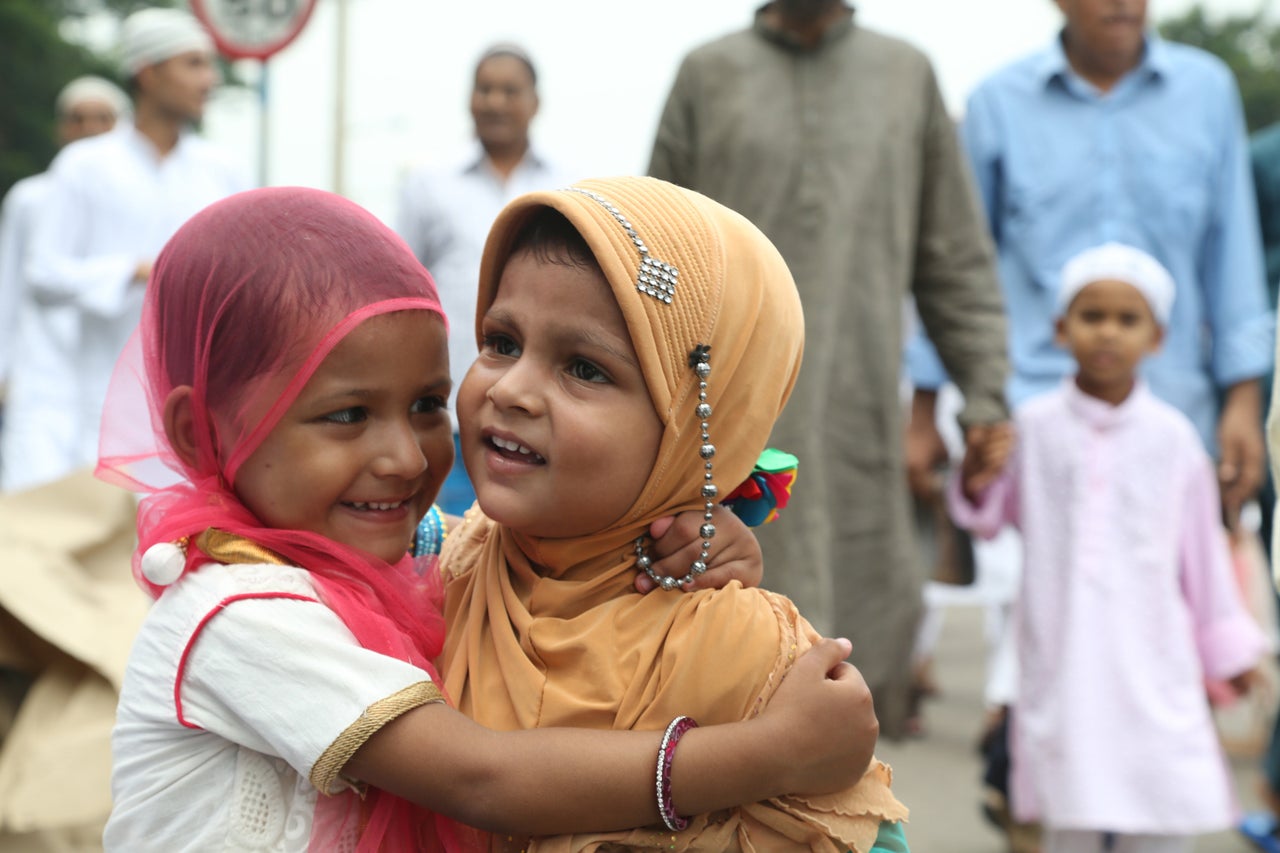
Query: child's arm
816	735
677	542
1227	637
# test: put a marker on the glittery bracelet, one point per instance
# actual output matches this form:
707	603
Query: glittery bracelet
431	533
666	752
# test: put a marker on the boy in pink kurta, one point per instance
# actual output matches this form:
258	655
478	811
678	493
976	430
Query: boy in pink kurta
1128	599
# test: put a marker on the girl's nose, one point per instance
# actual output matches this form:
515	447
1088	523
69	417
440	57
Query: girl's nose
400	454
518	388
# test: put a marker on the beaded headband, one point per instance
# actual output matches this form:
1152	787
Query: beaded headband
657	279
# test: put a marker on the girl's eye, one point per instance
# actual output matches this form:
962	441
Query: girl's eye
587	372
429	405
500	345
353	415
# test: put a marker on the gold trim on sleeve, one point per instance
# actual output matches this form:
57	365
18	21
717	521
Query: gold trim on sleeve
324	773
229	548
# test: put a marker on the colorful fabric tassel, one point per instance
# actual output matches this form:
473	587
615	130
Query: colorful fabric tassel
767	490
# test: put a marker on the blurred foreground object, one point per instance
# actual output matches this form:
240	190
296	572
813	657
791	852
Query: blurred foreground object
69	608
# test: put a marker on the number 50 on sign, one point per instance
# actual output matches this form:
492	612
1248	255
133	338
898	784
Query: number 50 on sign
253	29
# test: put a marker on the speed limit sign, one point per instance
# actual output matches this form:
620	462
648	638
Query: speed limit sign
253	29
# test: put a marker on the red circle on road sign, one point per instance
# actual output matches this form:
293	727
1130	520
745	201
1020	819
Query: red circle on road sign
253	29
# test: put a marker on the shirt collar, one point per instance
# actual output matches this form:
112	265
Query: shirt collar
143	143
1099	413
1055	66
478	158
836	31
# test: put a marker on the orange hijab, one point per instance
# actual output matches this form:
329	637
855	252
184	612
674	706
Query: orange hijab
549	632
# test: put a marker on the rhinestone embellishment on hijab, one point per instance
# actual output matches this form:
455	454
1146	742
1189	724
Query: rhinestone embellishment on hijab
656	278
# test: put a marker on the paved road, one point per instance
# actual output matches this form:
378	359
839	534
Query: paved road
937	775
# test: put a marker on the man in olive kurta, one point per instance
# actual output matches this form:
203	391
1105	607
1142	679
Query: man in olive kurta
834	141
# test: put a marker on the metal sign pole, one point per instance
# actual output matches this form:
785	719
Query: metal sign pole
340	102
255	29
264	123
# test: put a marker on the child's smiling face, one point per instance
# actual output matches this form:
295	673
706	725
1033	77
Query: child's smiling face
360	454
1108	328
558	430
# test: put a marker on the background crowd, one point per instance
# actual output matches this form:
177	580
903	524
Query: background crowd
928	250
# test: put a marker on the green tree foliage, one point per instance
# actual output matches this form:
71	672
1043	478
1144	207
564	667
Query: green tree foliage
1248	43
35	63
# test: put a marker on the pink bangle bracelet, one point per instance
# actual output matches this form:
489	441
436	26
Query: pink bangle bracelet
666	808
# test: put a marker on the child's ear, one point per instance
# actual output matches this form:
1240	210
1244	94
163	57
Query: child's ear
1060	332
180	425
1157	340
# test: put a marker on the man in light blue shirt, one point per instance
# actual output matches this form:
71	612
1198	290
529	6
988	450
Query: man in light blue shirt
446	210
1112	134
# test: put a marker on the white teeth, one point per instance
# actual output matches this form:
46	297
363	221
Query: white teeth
376	505
511	445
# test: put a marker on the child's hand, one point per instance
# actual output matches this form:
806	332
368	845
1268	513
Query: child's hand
825	721
1243	457
735	553
1245	682
987	448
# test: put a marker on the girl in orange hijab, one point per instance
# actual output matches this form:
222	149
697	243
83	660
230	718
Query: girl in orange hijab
637	342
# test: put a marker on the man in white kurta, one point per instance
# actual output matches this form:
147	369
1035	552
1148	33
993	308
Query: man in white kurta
37	340
115	200
1128	601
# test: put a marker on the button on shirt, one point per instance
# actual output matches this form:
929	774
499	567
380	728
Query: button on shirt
445	214
1160	162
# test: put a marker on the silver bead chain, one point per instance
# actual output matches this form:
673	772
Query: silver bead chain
699	359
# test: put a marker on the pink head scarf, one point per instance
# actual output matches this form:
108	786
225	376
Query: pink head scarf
243	305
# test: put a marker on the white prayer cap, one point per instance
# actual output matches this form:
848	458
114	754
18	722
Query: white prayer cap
92	88
154	35
1118	262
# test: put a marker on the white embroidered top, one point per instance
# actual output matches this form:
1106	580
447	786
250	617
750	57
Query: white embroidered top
239	691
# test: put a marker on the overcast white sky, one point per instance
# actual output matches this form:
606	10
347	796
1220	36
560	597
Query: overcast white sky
605	68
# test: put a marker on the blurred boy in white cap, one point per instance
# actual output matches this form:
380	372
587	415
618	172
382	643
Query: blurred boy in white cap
1128	598
36	340
113	203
